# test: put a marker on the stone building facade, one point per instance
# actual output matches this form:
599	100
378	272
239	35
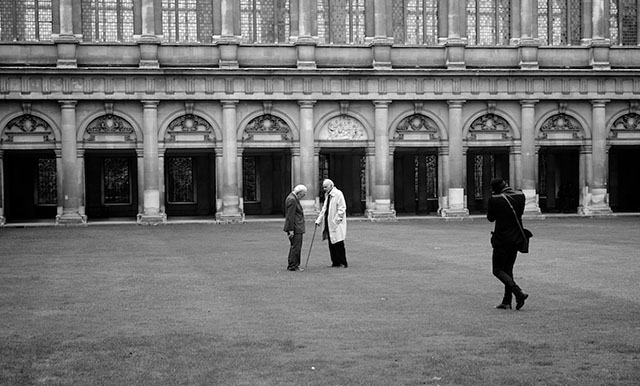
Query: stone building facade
150	109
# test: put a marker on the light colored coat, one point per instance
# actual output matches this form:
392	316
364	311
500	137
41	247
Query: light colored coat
337	215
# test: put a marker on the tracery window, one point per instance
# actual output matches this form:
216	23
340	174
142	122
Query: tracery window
415	21
341	21
265	21
181	182
623	22
187	21
25	20
107	20
116	181
46	192
250	180
489	22
560	22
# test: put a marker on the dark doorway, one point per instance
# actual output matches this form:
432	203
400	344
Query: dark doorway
266	181
111	184
189	183
558	176
624	178
415	181
482	166
30	185
347	169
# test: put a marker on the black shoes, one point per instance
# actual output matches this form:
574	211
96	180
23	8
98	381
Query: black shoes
295	269
503	306
520	300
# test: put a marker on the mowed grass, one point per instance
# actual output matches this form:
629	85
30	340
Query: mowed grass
204	304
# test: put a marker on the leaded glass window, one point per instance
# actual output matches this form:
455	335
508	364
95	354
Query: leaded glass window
107	20
116	181
560	22
187	21
425	175
489	22
265	21
250	180
341	21
432	175
415	21
46	192
181	182
478	173
25	20
623	22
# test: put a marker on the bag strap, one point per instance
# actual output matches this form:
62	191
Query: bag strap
514	213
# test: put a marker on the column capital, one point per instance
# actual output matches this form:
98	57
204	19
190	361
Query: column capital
229	103
456	103
68	104
307	104
150	104
600	102
381	103
529	102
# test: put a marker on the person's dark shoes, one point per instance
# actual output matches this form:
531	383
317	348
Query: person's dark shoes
295	269
333	266
503	306
344	265
520	300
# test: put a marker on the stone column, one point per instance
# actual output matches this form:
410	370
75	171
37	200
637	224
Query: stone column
443	25
443	178
148	42
2	218
151	214
585	179
219	182
70	181
161	181
455	42
598	204
529	160
599	42
381	44
528	43
228	43
382	184
81	184
455	195
308	174
306	43
230	189
66	41
140	163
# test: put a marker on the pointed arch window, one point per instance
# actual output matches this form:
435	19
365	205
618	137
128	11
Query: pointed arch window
489	22
341	21
560	22
107	20
415	21
26	20
187	21
623	22
265	21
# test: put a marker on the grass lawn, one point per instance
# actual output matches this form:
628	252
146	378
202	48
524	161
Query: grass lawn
198	304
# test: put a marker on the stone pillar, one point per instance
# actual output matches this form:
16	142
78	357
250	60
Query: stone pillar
148	42
230	189
161	181
599	42
455	44
598	204
140	163
528	43
382	184
456	206
81	182
2	218
228	43
219	182
306	43
381	43
308	174
151	214
443	25
70	181
66	41
529	160
585	179
443	178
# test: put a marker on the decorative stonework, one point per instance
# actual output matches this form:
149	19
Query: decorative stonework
109	128
417	127
626	127
265	127
561	126
343	127
189	128
27	129
489	127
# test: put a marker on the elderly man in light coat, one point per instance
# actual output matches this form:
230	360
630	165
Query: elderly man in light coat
333	220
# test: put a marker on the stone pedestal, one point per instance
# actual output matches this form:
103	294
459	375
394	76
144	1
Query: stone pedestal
455	54
531	206
382	211
71	219
455	207
596	204
66	45
306	51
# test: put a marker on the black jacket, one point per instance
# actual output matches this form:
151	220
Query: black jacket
294	215
507	232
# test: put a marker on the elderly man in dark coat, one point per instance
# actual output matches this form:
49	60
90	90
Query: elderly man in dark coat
506	206
294	225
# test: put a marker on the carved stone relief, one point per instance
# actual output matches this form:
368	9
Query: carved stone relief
27	129
561	126
417	127
343	127
265	127
627	126
189	128
489	127
109	128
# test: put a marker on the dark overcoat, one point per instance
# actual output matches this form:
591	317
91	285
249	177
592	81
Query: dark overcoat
507	233
294	215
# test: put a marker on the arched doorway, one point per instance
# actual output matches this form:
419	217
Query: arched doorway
624	156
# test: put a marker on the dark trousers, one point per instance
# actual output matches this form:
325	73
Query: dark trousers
294	250
503	260
338	253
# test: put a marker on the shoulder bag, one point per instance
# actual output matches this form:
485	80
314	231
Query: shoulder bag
526	234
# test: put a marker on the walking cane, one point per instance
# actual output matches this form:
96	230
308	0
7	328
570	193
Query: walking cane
311	246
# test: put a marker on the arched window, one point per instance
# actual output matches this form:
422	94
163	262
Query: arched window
623	22
187	21
107	20
341	21
489	22
265	21
25	20
560	22
415	21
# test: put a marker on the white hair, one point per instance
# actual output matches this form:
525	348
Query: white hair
329	182
300	188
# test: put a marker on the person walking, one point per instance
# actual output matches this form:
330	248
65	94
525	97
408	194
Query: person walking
506	206
294	225
333	220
